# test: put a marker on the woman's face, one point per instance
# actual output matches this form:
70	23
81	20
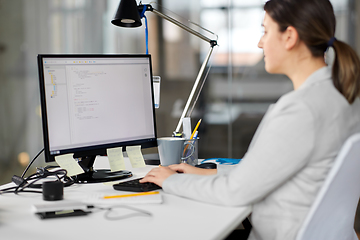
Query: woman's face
272	43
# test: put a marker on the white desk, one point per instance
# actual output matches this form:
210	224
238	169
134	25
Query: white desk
175	218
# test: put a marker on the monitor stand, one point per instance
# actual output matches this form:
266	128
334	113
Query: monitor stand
95	176
152	159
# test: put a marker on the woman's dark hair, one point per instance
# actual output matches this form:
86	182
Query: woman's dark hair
315	23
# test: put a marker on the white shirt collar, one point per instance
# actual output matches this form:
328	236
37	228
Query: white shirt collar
323	74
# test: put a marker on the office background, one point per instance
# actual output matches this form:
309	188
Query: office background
235	96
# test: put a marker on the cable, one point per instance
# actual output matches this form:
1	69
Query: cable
20	181
41	173
137	212
32	161
6	190
142	15
27	191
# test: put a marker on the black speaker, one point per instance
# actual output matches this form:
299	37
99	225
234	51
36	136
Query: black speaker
53	191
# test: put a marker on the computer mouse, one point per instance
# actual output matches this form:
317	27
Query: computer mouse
207	165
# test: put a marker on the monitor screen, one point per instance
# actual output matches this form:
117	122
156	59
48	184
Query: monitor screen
94	102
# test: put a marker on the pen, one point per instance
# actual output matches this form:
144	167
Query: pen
195	129
196	135
195	132
193	142
131	195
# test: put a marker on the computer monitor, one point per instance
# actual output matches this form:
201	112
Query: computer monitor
91	103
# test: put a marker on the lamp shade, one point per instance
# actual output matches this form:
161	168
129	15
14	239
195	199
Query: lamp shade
127	14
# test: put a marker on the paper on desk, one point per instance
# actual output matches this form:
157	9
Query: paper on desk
97	198
135	156
68	163
116	159
52	206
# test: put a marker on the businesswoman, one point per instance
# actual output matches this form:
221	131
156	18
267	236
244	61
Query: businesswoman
299	137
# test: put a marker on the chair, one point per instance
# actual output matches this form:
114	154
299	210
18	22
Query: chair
333	212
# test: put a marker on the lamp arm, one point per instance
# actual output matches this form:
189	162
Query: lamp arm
177	23
186	28
213	43
206	60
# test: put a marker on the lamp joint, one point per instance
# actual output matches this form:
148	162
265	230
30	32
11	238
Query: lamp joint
148	7
213	43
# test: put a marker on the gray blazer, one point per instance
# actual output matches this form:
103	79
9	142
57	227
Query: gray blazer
287	161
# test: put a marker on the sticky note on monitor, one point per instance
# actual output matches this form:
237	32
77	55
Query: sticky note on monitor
116	159
68	163
135	156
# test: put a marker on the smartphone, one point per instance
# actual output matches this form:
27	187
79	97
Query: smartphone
63	213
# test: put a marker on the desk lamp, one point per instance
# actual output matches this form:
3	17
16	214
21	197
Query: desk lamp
129	14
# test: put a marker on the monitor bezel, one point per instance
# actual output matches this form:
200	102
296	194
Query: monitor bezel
97	150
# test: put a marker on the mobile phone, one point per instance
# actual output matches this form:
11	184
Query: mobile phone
62	213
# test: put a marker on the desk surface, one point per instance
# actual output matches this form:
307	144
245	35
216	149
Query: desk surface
175	218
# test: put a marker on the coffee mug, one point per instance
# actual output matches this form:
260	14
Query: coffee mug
170	150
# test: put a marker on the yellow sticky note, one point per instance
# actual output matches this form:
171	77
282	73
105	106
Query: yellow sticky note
116	159
135	156
68	163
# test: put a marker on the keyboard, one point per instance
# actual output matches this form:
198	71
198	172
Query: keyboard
135	186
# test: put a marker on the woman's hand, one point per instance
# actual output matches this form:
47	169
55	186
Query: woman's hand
158	175
186	168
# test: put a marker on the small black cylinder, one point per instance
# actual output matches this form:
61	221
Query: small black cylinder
53	191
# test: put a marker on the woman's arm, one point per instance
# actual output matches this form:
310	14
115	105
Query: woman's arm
158	175
186	168
283	147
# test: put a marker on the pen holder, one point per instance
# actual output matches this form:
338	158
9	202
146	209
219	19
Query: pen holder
190	152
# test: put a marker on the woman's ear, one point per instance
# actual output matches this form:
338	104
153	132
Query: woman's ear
291	37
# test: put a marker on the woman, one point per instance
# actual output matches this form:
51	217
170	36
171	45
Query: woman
299	137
